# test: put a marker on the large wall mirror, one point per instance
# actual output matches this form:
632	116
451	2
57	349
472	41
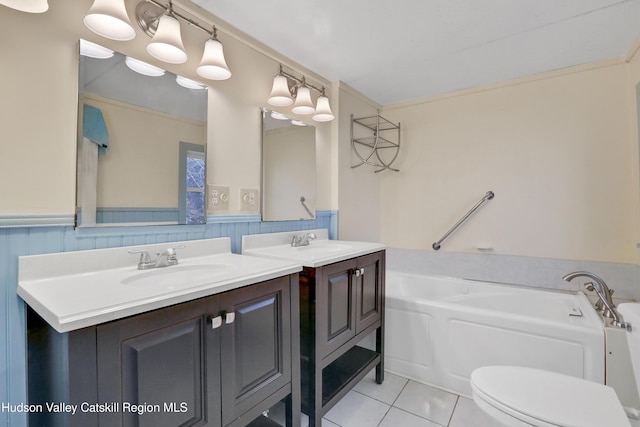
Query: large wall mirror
141	143
288	168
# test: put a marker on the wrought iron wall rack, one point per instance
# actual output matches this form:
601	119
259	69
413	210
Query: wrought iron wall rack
375	141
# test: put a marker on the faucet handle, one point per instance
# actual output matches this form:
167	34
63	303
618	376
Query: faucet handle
171	254
172	250
145	258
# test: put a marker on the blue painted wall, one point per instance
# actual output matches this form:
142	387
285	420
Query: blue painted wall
16	241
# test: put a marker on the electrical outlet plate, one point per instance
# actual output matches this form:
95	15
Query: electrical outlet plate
249	199
217	198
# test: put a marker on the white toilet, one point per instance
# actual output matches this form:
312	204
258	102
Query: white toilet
524	397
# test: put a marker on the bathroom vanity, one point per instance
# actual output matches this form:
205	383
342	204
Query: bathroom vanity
342	287
214	342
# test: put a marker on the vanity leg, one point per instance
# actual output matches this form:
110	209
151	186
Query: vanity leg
292	416
380	350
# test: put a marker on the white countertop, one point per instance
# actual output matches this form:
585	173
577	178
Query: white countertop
320	251
73	290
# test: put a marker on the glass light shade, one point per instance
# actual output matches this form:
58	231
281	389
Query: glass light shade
189	84
166	44
280	95
278	116
109	19
213	65
303	104
31	6
323	110
143	68
298	123
93	50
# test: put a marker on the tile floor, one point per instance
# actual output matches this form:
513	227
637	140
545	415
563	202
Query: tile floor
400	402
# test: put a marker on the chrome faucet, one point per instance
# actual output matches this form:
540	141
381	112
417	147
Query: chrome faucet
302	240
165	258
605	304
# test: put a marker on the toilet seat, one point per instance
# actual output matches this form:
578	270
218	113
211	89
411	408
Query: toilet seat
527	396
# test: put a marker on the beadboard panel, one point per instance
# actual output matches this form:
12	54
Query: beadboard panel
16	241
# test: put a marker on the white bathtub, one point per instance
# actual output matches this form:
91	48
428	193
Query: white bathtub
439	329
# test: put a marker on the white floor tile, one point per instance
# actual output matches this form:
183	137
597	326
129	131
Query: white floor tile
327	423
357	410
399	418
468	414
386	392
427	402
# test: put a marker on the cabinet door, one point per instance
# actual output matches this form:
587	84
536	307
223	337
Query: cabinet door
256	345
166	361
335	303
370	290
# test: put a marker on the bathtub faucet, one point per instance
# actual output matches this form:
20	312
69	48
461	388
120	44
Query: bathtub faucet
605	304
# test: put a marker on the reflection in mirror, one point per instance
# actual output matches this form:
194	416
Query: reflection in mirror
288	168
141	144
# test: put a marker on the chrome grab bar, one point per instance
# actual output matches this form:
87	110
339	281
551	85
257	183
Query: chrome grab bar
488	196
306	208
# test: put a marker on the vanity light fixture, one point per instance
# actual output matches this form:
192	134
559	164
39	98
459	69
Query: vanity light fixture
143	68
287	87
280	95
323	110
189	84
30	6
304	104
109	19
151	16
166	44
298	123
93	50
213	66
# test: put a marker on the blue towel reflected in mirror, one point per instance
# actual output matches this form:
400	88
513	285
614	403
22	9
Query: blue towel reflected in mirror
94	128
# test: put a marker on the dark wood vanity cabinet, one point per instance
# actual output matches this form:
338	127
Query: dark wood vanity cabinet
340	304
218	361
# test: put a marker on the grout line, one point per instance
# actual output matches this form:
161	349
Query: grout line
454	408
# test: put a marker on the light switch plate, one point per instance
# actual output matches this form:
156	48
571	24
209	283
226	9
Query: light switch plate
217	198
249	199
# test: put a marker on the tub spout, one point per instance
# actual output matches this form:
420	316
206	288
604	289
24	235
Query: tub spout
604	293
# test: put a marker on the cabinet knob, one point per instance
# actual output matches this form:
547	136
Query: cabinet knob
229	317
359	272
216	322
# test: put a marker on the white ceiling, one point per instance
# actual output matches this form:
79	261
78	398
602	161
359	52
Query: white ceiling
396	51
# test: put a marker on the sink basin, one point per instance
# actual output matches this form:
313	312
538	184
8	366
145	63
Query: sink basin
177	275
